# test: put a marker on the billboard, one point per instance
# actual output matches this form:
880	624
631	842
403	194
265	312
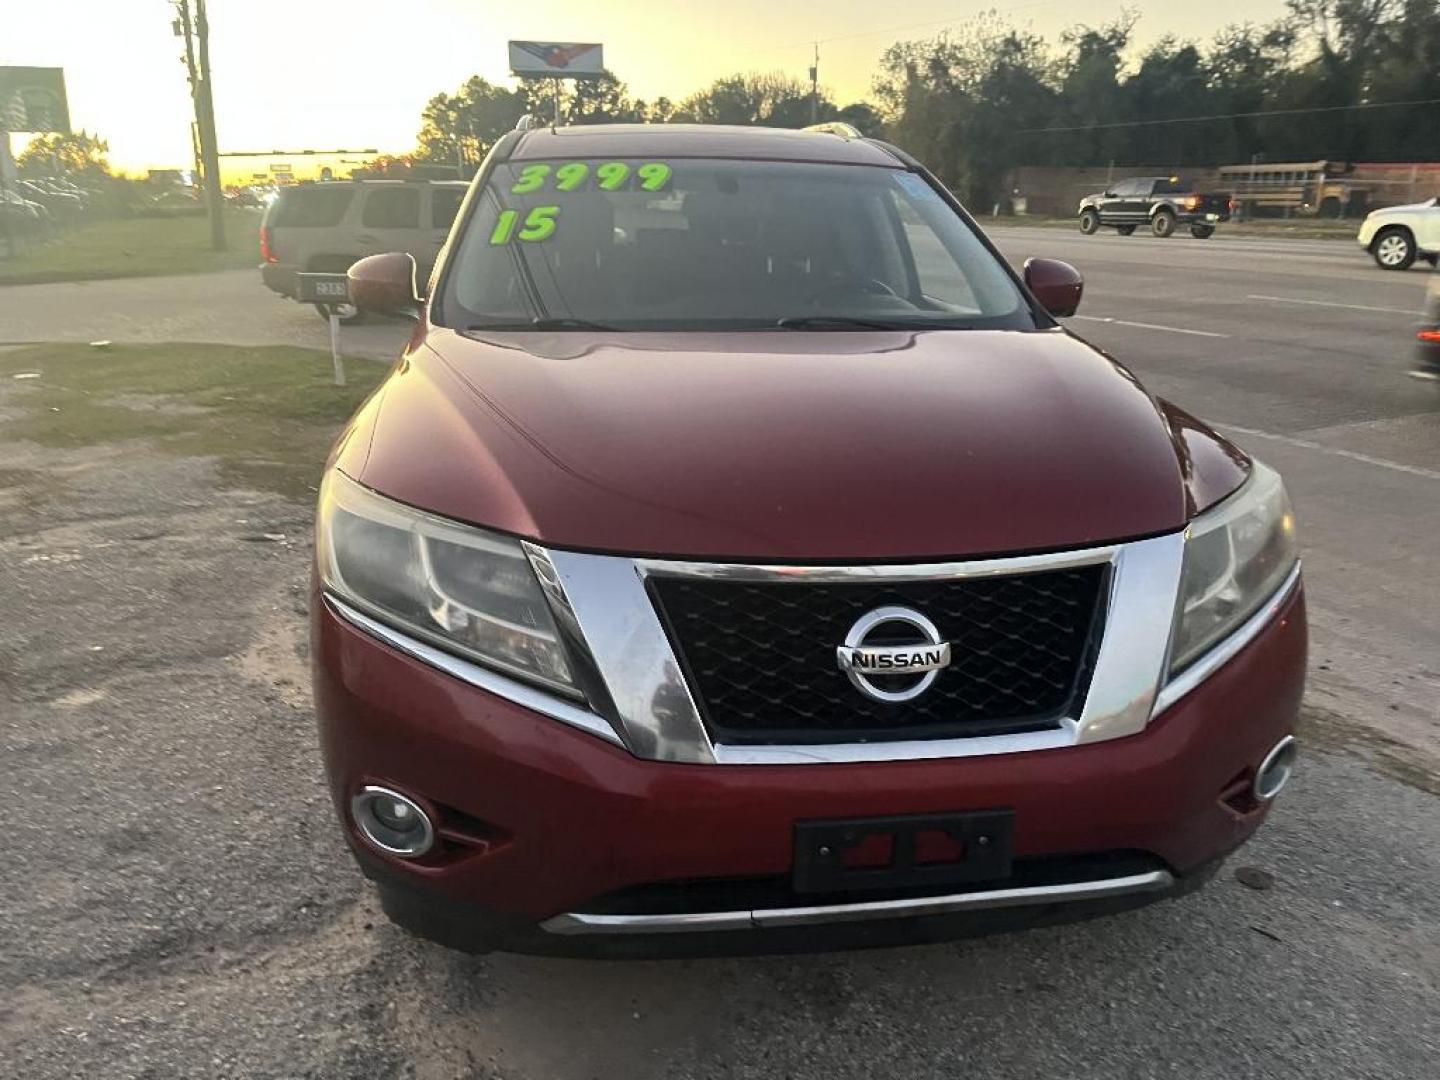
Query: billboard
33	99
557	59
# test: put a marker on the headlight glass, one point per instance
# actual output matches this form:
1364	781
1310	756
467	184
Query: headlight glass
463	589
1236	556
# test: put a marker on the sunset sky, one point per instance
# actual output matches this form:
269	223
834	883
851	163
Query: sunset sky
305	74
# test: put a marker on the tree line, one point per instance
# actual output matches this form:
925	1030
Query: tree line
979	101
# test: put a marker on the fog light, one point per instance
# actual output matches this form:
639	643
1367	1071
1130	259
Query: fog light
1274	771
392	822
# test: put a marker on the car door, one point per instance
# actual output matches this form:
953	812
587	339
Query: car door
1136	206
1120	207
1427	227
390	220
1109	203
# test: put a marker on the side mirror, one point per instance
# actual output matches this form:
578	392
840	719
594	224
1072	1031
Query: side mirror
384	284
1057	285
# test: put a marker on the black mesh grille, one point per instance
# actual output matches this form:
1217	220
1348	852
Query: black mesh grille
760	656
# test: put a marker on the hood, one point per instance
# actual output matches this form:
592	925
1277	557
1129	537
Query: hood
777	446
1428	204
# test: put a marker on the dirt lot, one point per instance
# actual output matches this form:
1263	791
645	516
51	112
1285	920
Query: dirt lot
177	902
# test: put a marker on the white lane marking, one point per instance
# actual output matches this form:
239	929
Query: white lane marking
1150	326
1306	444
1328	303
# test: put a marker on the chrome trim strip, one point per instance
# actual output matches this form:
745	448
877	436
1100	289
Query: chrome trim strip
1228	648
909	750
581	923
1136	639
577	923
583	668
500	685
882	571
614	614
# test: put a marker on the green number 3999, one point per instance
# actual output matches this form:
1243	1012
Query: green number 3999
575	175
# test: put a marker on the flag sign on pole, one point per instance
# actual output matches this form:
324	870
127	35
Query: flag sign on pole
557	59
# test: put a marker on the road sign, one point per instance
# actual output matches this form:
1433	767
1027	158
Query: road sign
557	59
328	291
33	99
322	288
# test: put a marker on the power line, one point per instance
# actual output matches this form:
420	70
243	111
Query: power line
1230	116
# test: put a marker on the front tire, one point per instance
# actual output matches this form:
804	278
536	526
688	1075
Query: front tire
1163	223
1089	222
1125	230
1394	248
1202	232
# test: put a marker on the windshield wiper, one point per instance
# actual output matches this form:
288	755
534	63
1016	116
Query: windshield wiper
539	322
834	322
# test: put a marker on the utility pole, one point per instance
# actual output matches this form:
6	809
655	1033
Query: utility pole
205	105
196	31
815	87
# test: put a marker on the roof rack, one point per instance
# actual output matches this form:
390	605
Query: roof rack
531	121
836	127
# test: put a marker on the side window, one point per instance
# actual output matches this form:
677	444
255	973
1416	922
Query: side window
444	205
392	208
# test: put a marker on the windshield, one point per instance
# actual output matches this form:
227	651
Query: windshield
721	244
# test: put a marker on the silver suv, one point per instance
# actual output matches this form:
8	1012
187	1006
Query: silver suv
323	228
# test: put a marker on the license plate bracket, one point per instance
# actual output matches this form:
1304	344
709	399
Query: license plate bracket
979	841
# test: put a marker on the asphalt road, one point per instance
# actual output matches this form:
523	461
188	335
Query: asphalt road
175	900
228	308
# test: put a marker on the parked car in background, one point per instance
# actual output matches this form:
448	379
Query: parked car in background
1396	236
1162	203
745	557
64	207
23	221
324	228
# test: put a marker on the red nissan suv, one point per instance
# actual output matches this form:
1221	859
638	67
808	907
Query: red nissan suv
740	557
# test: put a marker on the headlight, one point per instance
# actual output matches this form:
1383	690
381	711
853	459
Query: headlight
1236	556
462	589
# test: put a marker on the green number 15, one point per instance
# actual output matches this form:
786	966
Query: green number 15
539	225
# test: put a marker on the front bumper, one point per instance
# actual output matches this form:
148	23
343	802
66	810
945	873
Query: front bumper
279	278
1202	217
547	820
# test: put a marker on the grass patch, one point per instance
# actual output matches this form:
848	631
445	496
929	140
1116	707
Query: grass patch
138	247
267	415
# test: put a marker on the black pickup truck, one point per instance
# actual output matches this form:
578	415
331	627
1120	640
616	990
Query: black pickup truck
1161	202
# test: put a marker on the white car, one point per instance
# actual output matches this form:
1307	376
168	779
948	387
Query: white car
1397	235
